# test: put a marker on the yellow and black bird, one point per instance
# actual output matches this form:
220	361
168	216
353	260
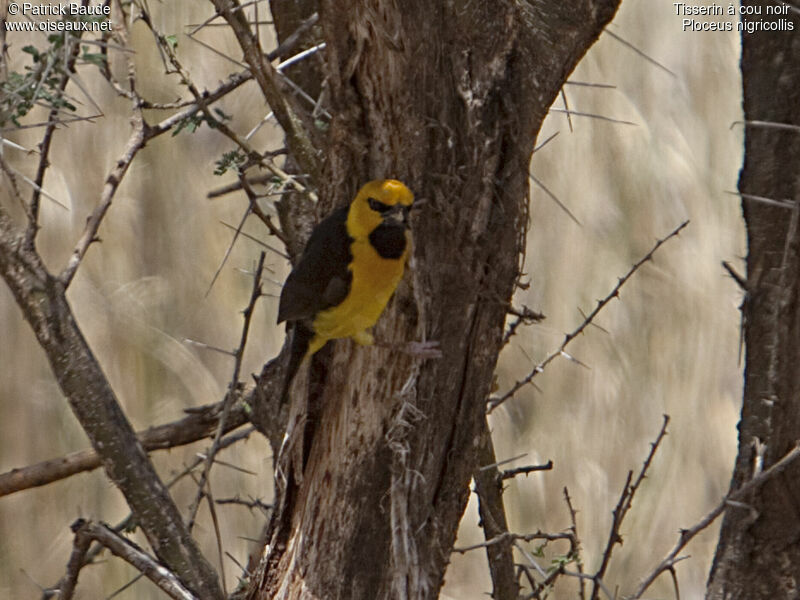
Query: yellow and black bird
347	273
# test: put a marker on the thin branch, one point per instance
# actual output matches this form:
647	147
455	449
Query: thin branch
739	279
686	535
511	473
135	556
606	86
253	503
638	51
217	534
509	537
44	146
566	108
136	142
574	527
525	316
77	560
201	423
237	231
237	185
555	199
291	42
64	121
491	508
623	506
495	402
232	390
592	116
129	523
265	74
545	142
257	241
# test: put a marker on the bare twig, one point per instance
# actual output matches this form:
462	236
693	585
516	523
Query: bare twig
524	316
265	74
488	486
592	116
253	503
217	534
135	143
574	527
252	238
77	560
290	43
739	279
509	537
201	423
132	554
233	390
495	402
638	51
511	473
566	108
237	231
623	506
686	535
42	299
44	146
129	522
237	185
606	86
555	199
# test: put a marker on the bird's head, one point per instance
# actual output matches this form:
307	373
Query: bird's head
379	201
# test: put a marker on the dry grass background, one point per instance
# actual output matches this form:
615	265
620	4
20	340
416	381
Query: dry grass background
671	341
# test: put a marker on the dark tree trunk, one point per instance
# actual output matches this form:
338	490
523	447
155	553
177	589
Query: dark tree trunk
449	98
758	556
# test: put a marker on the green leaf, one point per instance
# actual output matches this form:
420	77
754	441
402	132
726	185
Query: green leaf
95	58
172	40
33	52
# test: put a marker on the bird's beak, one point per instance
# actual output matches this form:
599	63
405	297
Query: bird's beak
398	215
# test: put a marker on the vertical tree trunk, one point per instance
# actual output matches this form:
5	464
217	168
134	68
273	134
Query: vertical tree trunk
758	556
447	97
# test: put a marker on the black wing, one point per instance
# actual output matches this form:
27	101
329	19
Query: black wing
321	279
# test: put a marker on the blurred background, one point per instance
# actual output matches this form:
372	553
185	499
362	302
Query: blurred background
669	344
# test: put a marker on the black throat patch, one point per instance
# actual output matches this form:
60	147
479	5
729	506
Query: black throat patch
389	240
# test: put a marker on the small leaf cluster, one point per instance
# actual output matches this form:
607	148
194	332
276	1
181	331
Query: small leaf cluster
230	161
39	83
193	122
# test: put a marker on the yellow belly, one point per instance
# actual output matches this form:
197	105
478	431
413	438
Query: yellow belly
374	281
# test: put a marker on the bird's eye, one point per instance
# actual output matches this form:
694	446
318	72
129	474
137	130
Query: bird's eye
378	206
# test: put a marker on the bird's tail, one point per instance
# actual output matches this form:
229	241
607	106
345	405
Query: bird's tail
301	338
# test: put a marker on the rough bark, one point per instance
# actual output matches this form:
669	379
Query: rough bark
758	556
449	98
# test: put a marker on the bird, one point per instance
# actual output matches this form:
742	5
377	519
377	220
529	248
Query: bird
347	273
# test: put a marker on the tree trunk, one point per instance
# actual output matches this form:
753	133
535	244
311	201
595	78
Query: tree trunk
449	98
758	556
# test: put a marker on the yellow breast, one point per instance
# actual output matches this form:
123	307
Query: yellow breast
374	281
